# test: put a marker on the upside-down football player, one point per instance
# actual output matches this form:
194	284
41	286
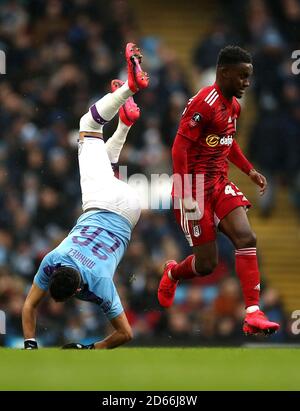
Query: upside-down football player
203	145
84	263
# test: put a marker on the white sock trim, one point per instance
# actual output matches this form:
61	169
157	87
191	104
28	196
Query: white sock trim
246	251
252	309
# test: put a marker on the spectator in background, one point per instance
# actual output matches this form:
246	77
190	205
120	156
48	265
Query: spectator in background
266	151
291	126
206	53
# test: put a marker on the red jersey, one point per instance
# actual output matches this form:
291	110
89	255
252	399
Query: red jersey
209	123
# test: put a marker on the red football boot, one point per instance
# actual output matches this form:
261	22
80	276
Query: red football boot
137	78
257	323
167	287
129	113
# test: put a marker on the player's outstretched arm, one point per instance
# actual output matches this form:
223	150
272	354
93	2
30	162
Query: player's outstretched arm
237	157
32	301
122	334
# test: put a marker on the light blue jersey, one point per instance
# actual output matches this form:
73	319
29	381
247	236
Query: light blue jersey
94	247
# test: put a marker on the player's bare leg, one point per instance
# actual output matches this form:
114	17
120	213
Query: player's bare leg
236	226
206	258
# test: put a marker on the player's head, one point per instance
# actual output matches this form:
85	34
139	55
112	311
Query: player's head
234	68
64	283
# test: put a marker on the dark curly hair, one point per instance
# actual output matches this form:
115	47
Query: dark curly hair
233	55
63	283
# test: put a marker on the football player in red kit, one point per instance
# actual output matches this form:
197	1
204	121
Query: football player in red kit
203	145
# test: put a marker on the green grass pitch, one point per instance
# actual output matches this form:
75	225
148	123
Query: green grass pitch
151	369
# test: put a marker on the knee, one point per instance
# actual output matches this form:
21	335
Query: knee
245	240
205	267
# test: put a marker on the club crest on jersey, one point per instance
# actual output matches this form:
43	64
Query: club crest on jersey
195	120
197	231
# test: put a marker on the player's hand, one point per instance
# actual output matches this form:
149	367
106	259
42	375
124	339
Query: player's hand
30	345
260	180
191	208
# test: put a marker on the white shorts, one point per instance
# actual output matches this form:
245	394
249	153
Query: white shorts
99	187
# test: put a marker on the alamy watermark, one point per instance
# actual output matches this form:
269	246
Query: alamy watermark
296	63
154	192
2	322
2	62
295	327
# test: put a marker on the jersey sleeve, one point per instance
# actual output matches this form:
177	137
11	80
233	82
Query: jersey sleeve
195	117
105	289
237	158
42	277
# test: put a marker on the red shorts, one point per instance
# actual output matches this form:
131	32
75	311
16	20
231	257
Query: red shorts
225	198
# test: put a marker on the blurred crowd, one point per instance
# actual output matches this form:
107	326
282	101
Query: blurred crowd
61	57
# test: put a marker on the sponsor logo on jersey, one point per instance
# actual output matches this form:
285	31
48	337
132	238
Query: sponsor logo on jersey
195	120
226	141
213	140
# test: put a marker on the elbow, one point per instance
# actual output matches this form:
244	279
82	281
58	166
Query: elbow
127	336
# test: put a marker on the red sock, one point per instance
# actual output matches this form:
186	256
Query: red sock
184	270
247	269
